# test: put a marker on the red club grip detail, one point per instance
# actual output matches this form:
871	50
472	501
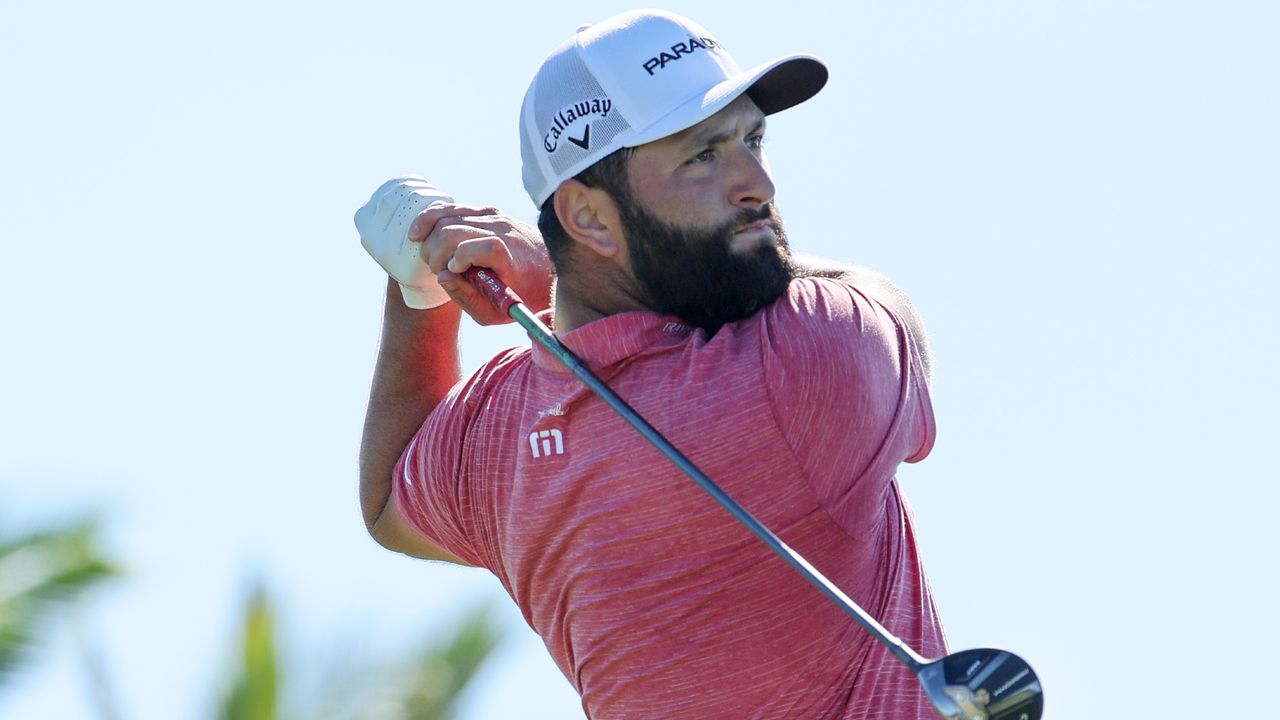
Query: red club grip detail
492	287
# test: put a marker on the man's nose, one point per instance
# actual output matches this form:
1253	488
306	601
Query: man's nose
753	181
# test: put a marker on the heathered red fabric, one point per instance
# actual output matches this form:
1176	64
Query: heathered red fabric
652	599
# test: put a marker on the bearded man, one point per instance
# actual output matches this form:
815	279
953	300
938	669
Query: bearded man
800	385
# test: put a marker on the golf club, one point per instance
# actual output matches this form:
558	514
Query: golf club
983	684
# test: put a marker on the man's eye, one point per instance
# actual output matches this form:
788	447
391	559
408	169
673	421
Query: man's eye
755	142
703	156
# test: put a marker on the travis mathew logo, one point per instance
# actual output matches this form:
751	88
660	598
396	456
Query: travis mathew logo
678	50
563	120
546	443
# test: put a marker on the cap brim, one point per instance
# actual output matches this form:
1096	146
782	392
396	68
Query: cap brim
774	87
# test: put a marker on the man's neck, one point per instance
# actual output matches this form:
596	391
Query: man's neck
575	306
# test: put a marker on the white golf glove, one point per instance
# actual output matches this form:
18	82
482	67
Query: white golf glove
383	223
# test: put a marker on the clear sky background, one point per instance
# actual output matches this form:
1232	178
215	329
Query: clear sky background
1080	196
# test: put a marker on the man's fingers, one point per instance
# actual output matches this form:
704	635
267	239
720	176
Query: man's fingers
470	300
428	219
462	210
433	218
460	290
425	223
488	251
439	247
458	247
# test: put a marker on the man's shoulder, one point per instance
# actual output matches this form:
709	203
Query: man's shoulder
503	365
817	300
471	391
508	359
821	321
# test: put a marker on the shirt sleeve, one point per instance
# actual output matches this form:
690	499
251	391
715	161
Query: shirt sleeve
849	393
430	486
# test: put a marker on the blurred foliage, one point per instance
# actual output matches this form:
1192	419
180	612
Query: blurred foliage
428	685
443	671
39	572
43	571
253	689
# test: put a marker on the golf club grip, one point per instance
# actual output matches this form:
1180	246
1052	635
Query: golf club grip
492	287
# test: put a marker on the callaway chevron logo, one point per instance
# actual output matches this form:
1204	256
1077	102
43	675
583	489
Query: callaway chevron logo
563	120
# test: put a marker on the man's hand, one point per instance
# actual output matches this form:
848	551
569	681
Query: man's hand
383	223
456	237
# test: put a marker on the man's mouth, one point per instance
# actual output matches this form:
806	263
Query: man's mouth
752	236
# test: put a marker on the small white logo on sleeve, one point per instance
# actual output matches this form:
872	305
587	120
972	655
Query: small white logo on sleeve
546	442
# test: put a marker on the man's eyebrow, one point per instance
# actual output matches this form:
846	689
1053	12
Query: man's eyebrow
711	137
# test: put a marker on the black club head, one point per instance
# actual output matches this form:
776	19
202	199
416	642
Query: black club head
984	684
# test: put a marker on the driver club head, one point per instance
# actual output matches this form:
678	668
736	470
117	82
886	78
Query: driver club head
984	684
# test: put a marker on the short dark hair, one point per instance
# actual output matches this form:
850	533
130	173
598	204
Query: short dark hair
608	174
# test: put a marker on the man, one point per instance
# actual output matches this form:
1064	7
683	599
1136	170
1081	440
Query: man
798	385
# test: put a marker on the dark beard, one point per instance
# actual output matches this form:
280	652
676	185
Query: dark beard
691	272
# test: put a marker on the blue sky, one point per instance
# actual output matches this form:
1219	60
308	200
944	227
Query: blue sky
1080	197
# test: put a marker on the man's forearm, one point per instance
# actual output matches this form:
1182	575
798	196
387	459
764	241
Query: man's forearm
417	365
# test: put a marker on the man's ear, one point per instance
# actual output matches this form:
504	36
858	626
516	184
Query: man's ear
589	216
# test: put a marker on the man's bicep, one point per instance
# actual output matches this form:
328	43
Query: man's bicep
427	514
879	287
847	395
832	367
393	531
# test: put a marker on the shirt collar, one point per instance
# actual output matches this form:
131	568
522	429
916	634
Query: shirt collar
604	342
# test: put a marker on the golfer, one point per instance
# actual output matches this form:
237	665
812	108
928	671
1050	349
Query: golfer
798	384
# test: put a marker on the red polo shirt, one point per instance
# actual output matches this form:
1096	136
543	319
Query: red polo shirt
652	599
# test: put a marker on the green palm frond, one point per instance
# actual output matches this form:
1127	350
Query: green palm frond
427	687
254	687
39	571
443	671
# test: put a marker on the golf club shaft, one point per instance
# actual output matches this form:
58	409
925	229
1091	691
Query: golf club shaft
503	298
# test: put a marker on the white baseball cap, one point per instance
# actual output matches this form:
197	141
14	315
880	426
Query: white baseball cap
635	78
